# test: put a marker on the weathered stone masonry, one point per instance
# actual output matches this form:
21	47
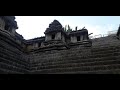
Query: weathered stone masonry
56	52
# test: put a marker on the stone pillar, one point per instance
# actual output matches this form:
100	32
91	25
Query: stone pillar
2	24
58	36
81	37
84	37
73	39
42	44
47	37
63	38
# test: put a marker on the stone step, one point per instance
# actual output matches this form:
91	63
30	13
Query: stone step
96	54
10	52
59	58
6	46
6	71
77	64
13	54
13	59
76	69
13	63
77	60
106	51
9	42
12	68
74	60
99	49
43	60
112	71
104	55
62	52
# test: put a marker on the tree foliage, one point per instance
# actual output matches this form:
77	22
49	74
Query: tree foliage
67	28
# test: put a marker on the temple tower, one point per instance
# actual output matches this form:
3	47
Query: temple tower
8	23
55	33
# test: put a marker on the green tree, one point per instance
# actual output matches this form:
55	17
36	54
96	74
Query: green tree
67	28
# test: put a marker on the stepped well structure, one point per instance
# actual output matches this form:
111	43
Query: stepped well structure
58	52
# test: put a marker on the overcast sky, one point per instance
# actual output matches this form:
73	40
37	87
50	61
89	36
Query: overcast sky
34	26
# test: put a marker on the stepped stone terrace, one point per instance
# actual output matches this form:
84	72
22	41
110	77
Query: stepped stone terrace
58	52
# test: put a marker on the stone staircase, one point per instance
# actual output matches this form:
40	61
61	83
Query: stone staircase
103	59
12	60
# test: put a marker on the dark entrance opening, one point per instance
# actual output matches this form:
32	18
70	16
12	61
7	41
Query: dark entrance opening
53	36
39	44
78	38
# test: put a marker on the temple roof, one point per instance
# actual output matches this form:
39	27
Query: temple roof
35	40
81	31
54	26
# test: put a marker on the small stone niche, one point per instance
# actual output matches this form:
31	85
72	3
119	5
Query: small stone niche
39	44
78	38
53	36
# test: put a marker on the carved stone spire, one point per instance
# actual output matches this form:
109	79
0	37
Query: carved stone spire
54	26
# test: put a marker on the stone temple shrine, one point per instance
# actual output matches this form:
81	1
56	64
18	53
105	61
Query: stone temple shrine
58	52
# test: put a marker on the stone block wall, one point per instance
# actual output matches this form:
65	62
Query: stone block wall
77	60
2	24
102	57
13	60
